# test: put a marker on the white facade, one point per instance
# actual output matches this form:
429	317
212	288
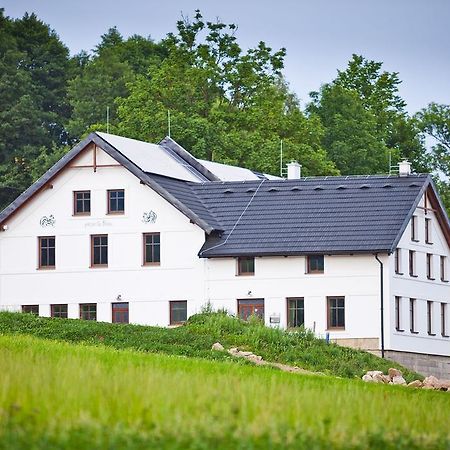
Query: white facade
183	276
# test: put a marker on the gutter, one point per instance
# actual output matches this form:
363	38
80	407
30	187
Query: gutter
381	302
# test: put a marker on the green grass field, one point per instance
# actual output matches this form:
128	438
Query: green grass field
56	395
195	339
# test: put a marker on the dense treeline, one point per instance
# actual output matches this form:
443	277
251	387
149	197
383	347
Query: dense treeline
226	104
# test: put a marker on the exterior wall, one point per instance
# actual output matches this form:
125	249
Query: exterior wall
420	288
148	289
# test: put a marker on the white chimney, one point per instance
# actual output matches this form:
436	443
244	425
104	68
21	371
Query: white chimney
294	170
404	168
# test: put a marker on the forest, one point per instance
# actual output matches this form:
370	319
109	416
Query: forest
226	103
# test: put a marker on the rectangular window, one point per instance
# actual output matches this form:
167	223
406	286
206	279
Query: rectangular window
251	307
428	237
152	249
336	312
246	265
398	313
31	309
99	250
116	201
412	315
59	311
430	318
314	264
82	203
430	266
296	312
414	228
444	320
178	312
443	261
412	263
120	313
88	311
398	261
47	250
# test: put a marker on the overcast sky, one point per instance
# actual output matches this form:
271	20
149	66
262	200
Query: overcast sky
411	37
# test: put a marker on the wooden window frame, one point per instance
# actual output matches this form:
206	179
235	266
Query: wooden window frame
40	266
288	300
444	320
398	313
430	318
443	268
24	307
93	265
144	249
412	316
329	298
412	263
398	261
89	312
108	200
120	309
241	273
414	229
84	213
428	228
429	257
55	305
253	304
171	304
309	270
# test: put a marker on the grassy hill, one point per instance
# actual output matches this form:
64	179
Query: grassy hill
197	336
56	395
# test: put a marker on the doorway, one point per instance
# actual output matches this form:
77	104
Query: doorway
248	307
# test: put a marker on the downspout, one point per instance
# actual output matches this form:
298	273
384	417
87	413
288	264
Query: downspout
382	303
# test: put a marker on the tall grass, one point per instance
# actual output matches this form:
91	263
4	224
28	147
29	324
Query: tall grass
65	396
195	339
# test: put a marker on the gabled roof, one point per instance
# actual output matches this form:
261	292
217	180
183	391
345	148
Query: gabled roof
328	215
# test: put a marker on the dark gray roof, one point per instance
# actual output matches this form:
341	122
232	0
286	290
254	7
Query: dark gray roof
329	215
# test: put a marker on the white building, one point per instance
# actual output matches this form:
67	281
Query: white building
121	230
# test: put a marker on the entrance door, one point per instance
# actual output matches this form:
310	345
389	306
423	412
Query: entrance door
254	306
120	312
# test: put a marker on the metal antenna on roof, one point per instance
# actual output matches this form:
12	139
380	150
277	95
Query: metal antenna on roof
168	122
107	119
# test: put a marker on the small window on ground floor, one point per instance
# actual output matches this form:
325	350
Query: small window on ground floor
178	312
31	309
120	313
251	307
336	312
58	311
296	312
88	311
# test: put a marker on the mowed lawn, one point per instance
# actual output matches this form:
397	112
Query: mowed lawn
57	395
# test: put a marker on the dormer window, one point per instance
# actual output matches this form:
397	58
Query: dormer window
116	201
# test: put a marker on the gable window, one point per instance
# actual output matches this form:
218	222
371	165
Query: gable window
88	311
444	320
82	203
246	265
152	249
414	228
398	313
120	313
31	309
336	312
412	263
99	250
47	252
430	266
178	312
443	261
430	318
428	237
58	311
116	201
398	261
296	312
314	264
412	315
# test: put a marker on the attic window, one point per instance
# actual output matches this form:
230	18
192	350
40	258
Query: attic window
388	186
414	185
364	186
341	187
250	190
318	188
273	189
295	188
228	191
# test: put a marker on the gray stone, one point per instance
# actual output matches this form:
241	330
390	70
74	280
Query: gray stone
218	346
415	384
367	378
398	379
394	373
